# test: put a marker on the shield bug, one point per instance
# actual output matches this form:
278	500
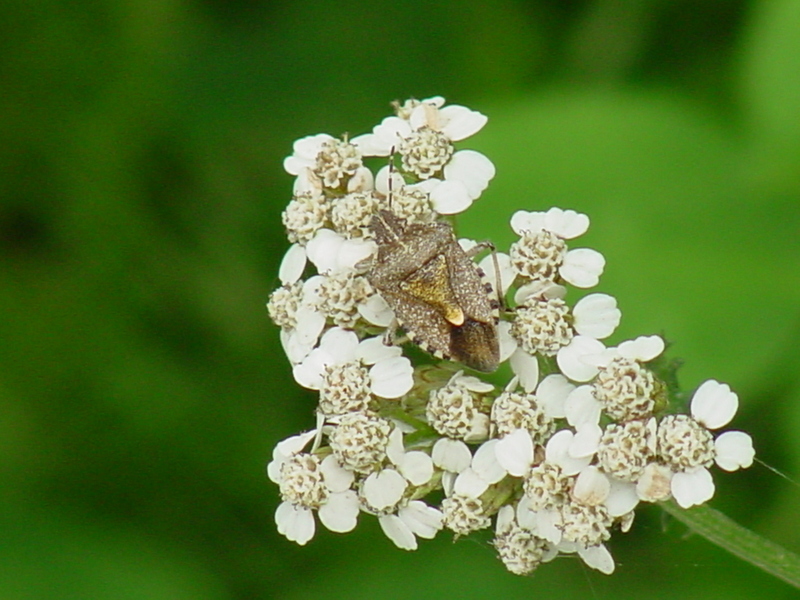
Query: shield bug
437	292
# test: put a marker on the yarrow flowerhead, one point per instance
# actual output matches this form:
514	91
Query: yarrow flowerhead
555	458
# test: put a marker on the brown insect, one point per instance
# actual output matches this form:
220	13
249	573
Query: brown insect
437	292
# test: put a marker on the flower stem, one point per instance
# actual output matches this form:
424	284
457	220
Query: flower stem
740	541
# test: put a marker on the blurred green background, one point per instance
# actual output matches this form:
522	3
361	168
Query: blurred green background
143	386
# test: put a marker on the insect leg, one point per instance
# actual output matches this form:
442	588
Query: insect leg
390	337
498	290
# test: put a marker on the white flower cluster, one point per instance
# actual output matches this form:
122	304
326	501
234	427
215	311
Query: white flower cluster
556	458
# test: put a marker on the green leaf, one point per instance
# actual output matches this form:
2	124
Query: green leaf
740	541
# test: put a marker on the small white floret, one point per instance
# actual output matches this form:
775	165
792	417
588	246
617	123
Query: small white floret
451	455
596	315
293	264
692	487
574	359
734	450
582	267
515	452
714	404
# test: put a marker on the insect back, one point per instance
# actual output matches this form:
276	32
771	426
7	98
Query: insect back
436	290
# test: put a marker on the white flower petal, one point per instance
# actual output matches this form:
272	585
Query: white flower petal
425	114
655	483
294	165
734	450
592	487
548	525
479	428
353	251
417	467
448	481
460	122
336	477
361	181
552	394
305	152
550	552
397	531
451	455
293	264
310	323
426	186
376	311
596	315
586	440
581	407
473	384
539	289
507	273
450	197
384	137
558	445
299	342
525	516
622	498
423	520
599	558
471	168
526	367
571	358
384	489
323	249
714	404
340	512
600	359
294	349
485	462
626	522
274	470
566	224
582	267
341	344
369	145
467	244
309	146
515	452
391	377
469	483
395	449
307	182
507	342
644	348
505	519
437	101
557	452
372	350
294	444
311	292
309	372
523	222
295	522
382	181
693	487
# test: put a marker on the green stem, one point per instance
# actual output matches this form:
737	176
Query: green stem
722	531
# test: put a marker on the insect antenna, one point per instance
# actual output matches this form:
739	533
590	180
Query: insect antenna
391	176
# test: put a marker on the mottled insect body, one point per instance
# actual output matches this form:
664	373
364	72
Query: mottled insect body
437	292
